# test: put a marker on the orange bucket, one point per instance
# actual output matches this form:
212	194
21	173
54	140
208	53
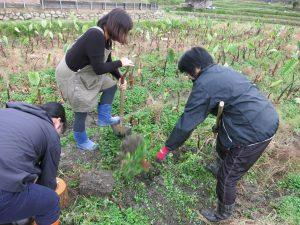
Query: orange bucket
62	192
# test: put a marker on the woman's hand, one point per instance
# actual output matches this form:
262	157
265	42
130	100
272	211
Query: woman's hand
126	62
122	87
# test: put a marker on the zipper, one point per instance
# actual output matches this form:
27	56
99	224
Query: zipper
226	131
269	139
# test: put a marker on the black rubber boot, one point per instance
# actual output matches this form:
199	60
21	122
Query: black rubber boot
223	212
214	167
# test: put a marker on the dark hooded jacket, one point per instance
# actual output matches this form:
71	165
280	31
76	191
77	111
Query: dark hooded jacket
248	117
29	147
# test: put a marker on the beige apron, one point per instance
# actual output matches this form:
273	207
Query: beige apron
81	89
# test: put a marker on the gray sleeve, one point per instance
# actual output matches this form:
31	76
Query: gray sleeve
195	112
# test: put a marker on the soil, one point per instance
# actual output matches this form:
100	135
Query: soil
121	131
96	183
131	143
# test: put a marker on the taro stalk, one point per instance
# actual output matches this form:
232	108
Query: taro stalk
276	55
35	81
5	77
258	27
214	53
170	58
36	35
60	37
49	34
287	70
44	25
24	41
29	33
3	44
223	55
251	46
75	24
17	33
27	41
26	44
154	31
233	50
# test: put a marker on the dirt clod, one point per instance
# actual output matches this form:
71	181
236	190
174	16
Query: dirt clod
131	143
96	183
121	131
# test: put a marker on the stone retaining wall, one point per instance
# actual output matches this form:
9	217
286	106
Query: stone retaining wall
19	14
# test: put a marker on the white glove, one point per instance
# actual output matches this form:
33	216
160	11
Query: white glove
126	62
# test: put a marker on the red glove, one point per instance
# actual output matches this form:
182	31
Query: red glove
162	154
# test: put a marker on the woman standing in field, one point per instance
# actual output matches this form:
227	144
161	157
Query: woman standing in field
81	75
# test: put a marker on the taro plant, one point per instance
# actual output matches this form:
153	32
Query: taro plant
6	80
134	162
289	70
3	45
35	81
170	58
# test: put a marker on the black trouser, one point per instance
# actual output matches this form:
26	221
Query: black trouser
236	162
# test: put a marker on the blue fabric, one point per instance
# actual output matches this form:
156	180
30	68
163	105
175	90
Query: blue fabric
104	116
36	201
108	95
83	142
29	147
80	137
79	122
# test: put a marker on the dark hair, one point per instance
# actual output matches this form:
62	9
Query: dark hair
118	24
56	110
195	58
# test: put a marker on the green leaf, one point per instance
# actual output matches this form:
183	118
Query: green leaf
66	47
30	27
76	26
60	36
232	48
34	78
276	83
17	30
46	33
25	41
215	50
5	40
59	23
289	66
51	35
84	28
209	37
148	38
48	58
171	55
44	23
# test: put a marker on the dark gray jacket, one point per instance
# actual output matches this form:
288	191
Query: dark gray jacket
29	147
248	117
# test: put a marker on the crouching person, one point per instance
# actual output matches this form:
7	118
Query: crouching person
29	156
248	123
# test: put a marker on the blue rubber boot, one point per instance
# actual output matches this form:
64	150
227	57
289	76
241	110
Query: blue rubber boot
83	142
104	116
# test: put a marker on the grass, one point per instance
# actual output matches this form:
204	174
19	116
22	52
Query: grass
250	11
288	209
